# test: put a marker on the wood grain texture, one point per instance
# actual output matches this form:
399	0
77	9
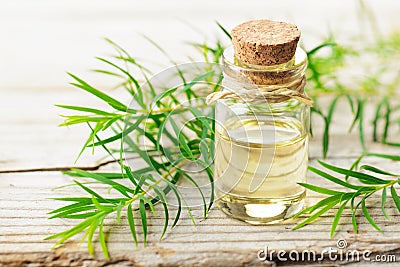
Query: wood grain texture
217	240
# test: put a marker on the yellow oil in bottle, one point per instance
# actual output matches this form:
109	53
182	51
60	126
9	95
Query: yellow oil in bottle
258	163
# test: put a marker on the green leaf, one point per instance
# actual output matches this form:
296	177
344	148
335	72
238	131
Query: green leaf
375	122
90	233
336	219
320	189
103	241
72	231
182	141
119	208
385	156
97	204
368	217
109	100
119	136
178	198
319	47
333	179
328	119
395	197
360	124
90	139
354	166
354	222
119	187
316	215
79	204
132	224
377	170
185	175
224	30
357	116
321	203
86	109
387	121
90	191
142	179
135	82
364	178
61	213
160	193
142	210
384	202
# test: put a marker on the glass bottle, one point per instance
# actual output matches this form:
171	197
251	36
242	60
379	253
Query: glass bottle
261	140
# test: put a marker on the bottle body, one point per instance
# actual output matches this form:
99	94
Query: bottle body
261	149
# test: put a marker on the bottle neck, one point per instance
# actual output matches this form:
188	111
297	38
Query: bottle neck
256	83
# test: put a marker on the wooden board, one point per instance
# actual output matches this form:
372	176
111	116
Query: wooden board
217	240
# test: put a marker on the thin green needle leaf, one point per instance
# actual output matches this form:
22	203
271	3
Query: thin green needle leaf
336	219
69	211
385	156
108	73
365	178
375	122
178	197
328	120
196	80
360	125
71	206
320	189
357	116
368	217
96	203
224	30
109	100
182	141
103	241
119	187
90	191
384	202
333	179
319	47
315	215
86	109
132	224
142	179
354	222
119	136
185	175
142	210
81	215
90	139
395	197
387	121
72	231
354	166
135	82
377	170
160	193
321	203
164	94
90	233
149	204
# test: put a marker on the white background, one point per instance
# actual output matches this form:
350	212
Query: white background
41	40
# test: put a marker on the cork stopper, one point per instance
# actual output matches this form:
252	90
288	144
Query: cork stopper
265	42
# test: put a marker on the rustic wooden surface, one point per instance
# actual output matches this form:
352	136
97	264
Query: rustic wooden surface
33	149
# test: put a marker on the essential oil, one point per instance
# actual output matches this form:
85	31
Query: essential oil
261	139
